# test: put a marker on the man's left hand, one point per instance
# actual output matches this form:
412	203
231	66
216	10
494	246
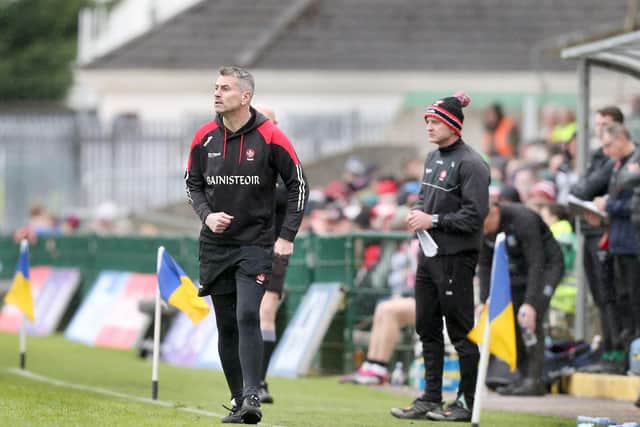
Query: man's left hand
283	247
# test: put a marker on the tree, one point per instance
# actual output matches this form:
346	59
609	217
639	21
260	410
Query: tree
38	41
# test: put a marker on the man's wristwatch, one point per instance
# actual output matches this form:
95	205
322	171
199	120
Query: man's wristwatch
434	220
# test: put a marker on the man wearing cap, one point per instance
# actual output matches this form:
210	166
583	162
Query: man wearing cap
452	205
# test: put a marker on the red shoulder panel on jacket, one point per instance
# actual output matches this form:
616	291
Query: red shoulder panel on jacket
273	135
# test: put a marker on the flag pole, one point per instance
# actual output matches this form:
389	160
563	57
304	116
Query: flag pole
24	245
482	372
23	342
156	333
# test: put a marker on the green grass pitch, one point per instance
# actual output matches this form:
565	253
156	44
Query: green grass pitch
124	381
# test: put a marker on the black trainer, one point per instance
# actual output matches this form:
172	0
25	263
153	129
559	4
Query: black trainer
416	411
263	393
457	411
250	412
233	417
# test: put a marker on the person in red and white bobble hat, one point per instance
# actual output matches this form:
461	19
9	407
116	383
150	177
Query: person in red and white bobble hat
452	205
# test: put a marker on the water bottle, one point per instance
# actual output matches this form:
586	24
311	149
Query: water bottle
584	421
397	376
529	337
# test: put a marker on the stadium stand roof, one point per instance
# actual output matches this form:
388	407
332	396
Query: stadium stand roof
479	35
620	52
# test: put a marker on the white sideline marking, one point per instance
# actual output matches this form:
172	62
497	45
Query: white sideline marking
112	393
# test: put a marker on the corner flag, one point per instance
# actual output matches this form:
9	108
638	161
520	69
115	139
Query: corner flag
178	290
499	310
20	292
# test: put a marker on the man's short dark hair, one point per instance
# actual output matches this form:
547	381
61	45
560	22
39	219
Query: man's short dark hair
612	111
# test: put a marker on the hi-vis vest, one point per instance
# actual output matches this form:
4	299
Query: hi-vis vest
498	142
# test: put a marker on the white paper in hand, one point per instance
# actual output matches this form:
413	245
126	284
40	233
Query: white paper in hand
428	245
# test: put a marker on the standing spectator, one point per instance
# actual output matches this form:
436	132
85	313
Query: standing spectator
633	121
231	178
630	179
452	205
563	168
389	317
501	136
549	120
596	261
565	127
536	266
623	242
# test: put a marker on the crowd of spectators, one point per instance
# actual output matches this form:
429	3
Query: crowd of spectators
541	174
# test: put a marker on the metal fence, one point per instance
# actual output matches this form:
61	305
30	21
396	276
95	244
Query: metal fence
71	163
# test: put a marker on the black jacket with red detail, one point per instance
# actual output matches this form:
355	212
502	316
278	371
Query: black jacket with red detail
236	173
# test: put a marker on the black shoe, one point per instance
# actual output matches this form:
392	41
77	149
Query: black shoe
637	402
250	412
457	411
528	387
233	417
416	411
263	393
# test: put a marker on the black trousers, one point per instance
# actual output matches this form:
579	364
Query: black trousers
596	267
627	272
236	277
444	287
240	343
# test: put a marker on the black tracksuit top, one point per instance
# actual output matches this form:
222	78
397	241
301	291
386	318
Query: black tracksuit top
455	186
236	173
532	249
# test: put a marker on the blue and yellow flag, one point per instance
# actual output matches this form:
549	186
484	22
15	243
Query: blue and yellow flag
178	290
20	292
499	308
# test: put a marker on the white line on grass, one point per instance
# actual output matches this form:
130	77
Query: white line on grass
112	393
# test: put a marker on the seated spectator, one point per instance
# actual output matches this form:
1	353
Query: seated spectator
557	218
566	126
108	219
523	179
542	193
389	318
70	225
41	223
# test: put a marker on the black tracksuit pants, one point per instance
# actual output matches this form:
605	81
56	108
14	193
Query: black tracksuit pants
235	277
239	337
444	287
626	274
597	269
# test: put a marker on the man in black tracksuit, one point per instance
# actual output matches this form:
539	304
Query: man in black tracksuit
452	205
231	176
536	266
